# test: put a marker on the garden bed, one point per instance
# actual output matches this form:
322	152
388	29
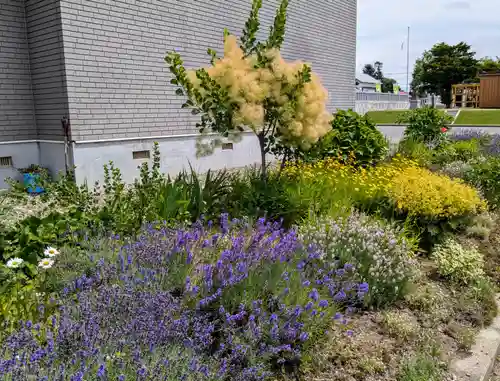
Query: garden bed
347	262
408	336
413	341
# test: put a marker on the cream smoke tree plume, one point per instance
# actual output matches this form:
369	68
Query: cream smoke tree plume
253	88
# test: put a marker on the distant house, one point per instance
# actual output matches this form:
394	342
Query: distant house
366	84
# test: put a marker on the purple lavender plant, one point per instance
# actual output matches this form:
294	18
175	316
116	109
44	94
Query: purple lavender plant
468	134
193	304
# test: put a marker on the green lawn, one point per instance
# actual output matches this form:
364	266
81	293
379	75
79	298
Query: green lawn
385	117
478	117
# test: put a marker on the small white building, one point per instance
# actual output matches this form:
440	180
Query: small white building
366	84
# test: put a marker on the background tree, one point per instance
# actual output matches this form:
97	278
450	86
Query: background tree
489	65
443	66
388	85
369	69
375	71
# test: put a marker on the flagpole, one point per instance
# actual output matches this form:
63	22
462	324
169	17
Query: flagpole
408	62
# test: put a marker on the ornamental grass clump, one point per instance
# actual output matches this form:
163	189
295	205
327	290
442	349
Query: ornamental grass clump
383	257
457	263
234	302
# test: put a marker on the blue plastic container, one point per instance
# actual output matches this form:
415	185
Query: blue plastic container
31	183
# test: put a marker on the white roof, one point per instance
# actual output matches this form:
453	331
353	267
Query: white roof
365	78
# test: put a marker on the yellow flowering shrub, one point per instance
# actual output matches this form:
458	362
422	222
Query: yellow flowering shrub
420	192
404	186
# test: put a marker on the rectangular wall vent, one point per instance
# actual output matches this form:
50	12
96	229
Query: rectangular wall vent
6	161
227	146
137	155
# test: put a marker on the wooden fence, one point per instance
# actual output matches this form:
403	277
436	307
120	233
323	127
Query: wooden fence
489	93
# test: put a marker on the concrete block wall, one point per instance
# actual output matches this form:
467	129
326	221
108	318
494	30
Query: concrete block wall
117	80
178	153
16	97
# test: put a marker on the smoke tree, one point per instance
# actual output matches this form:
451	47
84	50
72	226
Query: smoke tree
252	88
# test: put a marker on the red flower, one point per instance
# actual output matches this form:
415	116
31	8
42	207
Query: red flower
444	129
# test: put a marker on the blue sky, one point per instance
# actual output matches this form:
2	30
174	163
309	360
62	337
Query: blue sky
382	28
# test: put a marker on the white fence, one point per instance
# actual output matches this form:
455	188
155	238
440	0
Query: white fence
382	97
381	101
386	101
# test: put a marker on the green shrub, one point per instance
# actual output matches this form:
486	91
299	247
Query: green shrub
481	226
482	294
154	197
459	264
29	238
320	196
485	174
416	150
461	150
421	368
426	124
17	297
380	253
353	138
21	293
252	196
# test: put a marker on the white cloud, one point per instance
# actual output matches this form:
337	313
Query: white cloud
382	28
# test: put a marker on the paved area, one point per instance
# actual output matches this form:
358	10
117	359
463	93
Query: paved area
495	376
481	362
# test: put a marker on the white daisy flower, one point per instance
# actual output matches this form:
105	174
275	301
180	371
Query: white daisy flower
46	263
14	263
51	252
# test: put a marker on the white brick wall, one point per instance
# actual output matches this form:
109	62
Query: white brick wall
117	81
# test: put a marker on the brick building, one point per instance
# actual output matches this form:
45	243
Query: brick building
101	64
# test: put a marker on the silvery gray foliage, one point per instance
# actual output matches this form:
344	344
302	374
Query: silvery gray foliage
456	168
380	253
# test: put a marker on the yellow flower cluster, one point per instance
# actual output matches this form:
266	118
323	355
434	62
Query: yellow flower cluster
412	189
423	193
249	86
326	167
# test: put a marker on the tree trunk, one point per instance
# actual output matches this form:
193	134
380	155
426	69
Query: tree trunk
446	97
263	166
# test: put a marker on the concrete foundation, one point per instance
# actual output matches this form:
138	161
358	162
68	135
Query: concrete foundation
177	153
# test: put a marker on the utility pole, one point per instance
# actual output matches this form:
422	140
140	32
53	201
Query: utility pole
408	62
